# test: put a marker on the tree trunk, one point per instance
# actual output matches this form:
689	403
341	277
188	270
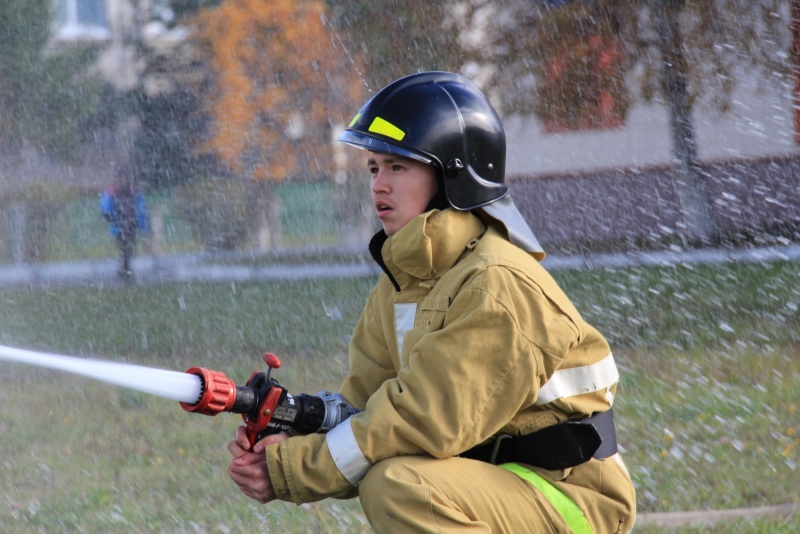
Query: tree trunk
796	66
689	183
16	231
154	242
270	227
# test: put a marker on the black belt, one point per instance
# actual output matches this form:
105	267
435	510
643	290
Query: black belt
557	446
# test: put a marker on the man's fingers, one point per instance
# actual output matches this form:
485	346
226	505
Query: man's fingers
241	438
252	481
248	459
244	476
236	450
248	469
269	440
240	445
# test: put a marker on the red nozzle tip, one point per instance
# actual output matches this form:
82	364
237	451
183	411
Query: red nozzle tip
271	360
218	394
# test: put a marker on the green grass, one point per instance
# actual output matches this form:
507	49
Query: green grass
200	320
707	409
735	305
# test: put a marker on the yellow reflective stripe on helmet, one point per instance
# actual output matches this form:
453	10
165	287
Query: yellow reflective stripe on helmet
384	127
355	120
565	506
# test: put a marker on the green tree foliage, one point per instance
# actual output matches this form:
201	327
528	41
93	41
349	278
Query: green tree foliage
163	149
393	38
46	99
183	8
169	120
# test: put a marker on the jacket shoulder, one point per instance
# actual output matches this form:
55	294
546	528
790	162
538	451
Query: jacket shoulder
502	259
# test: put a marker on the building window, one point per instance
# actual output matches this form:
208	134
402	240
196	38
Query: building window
81	20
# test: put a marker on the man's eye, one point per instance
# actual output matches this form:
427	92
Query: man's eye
397	168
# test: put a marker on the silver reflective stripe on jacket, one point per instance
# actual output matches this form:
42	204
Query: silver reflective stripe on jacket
404	314
347	455
580	380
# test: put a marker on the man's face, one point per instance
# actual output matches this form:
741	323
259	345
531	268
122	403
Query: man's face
401	188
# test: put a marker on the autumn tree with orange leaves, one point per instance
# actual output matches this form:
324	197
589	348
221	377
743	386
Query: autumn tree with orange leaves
280	83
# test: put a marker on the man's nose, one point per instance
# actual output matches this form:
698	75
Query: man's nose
380	183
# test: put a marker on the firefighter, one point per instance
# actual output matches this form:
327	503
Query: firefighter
486	398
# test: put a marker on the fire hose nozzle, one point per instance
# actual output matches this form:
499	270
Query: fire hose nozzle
218	392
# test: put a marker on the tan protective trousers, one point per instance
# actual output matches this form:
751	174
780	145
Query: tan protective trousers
418	494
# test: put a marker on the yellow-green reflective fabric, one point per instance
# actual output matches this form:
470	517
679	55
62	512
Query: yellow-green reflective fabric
384	127
565	506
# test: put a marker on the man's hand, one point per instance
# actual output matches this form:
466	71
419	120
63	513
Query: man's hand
249	469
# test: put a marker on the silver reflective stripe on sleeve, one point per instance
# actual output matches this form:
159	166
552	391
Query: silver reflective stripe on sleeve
579	380
404	314
347	456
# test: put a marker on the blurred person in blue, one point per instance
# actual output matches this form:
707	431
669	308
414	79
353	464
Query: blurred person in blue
481	399
123	207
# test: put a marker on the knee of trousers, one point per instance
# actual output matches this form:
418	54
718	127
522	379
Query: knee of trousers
388	481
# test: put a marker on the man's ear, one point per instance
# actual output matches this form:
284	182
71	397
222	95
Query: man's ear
439	199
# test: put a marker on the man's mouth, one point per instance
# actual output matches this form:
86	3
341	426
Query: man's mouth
381	207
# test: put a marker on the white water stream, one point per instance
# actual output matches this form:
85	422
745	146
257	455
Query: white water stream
173	385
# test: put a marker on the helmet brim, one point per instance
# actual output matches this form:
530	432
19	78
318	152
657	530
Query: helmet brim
376	144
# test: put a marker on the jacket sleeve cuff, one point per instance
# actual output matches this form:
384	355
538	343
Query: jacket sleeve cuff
302	470
277	475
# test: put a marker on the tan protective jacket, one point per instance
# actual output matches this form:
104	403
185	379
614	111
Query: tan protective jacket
469	337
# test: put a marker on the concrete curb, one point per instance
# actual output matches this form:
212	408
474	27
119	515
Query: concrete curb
702	518
202	267
667	258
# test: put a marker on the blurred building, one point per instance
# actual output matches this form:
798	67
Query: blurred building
122	31
607	181
759	124
137	38
121	28
591	188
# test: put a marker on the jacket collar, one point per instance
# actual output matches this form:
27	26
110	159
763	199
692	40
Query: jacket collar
426	247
